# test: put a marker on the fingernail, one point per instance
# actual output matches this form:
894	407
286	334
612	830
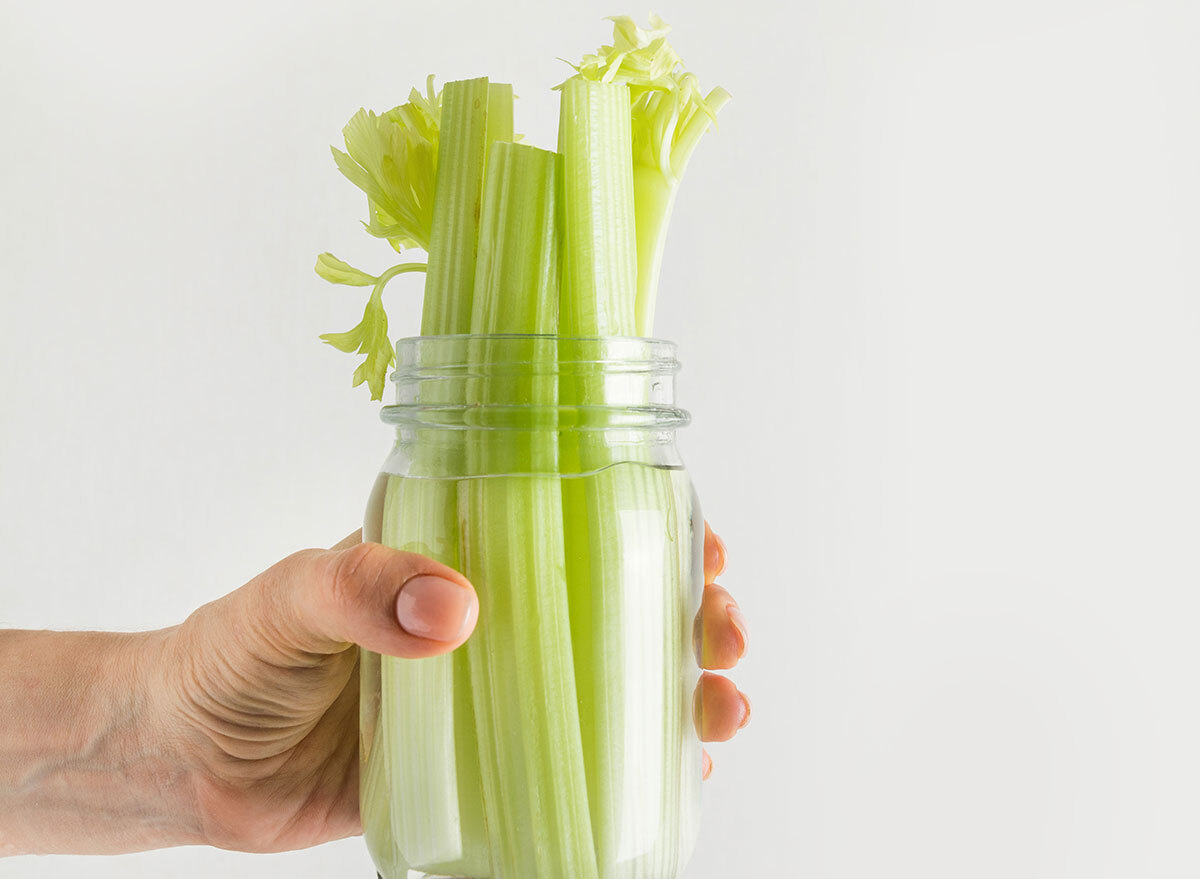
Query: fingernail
434	608
705	766
746	705
714	562
739	624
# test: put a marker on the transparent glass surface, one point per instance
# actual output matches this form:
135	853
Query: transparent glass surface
559	741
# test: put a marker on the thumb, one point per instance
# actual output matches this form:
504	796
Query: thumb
391	602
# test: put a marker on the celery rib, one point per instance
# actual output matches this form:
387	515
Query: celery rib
531	753
599	244
437	813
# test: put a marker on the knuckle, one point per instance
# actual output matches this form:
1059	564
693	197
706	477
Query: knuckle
358	571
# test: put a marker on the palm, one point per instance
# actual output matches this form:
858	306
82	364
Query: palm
275	734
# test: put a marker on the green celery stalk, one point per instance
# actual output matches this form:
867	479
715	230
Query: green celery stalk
657	171
375	787
462	152
438	820
530	755
599	243
625	597
597	298
639	684
500	113
427	716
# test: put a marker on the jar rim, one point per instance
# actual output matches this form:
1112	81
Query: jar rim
442	351
643	368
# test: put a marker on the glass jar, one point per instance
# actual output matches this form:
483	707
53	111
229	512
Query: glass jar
559	741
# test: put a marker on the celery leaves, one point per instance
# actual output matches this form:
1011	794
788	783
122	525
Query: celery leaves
393	159
668	115
370	335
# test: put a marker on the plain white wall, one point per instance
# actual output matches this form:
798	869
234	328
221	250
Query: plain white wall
935	283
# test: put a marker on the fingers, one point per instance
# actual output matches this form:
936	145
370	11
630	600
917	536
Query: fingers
394	603
714	554
719	634
720	639
719	708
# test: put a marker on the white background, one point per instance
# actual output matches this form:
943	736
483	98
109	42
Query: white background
935	283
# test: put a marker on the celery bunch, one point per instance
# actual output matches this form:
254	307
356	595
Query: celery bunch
556	742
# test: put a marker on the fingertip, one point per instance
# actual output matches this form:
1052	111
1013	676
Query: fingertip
437	609
721	634
720	709
706	765
389	601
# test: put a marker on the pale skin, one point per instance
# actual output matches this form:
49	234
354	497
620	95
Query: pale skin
238	728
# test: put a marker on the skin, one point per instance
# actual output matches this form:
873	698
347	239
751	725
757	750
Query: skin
239	727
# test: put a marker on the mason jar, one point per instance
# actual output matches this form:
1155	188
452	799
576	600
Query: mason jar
559	741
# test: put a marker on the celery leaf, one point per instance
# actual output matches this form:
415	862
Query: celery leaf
335	271
369	337
392	157
668	111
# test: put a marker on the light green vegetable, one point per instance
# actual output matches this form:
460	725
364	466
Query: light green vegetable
526	713
467	107
556	743
438	821
668	115
599	244
370	337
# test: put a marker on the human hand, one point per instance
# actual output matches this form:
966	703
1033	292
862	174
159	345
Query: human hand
259	689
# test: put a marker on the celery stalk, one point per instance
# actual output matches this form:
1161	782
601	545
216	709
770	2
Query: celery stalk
462	151
437	812
599	244
657	170
516	270
530	753
437	806
500	113
375	785
625	599
597	298
557	743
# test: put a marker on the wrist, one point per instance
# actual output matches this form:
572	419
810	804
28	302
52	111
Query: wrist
160	765
86	766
